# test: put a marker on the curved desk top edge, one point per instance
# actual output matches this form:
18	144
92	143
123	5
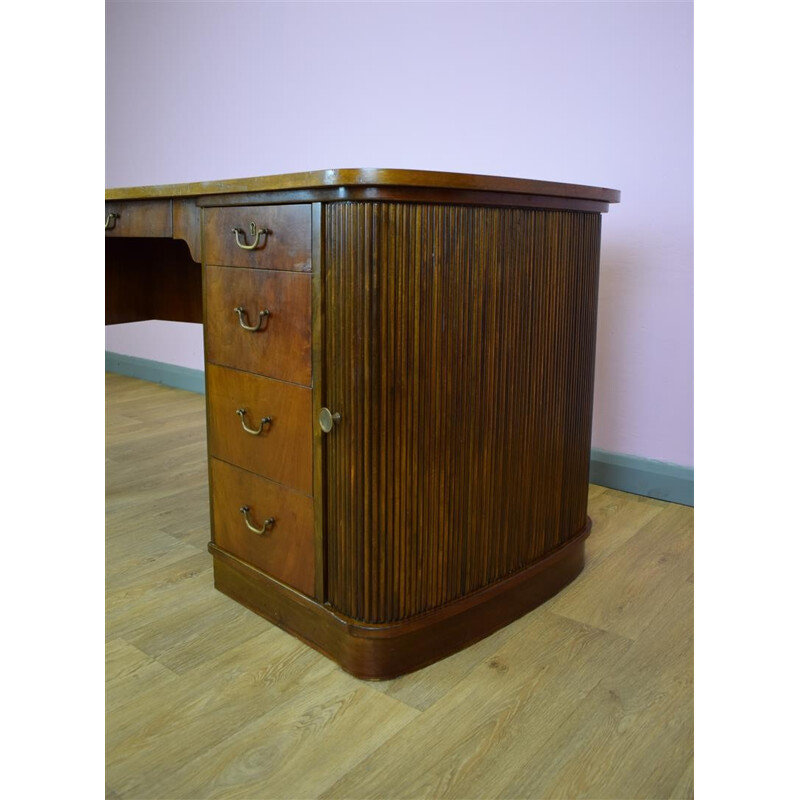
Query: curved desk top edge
333	178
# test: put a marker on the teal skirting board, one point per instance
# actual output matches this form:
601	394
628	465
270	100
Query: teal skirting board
643	476
193	380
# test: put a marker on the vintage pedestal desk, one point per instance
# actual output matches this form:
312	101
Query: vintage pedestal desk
399	372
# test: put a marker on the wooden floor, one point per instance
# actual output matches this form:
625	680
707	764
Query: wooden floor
591	695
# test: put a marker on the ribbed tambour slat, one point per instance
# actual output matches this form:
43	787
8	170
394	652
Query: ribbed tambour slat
460	354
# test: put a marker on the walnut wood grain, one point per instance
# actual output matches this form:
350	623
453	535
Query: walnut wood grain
151	218
286	551
151	279
404	194
187	225
317	349
379	652
282	450
344	178
281	348
286	245
459	350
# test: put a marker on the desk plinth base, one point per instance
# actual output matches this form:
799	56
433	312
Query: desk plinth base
379	652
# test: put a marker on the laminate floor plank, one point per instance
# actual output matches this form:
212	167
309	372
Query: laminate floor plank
192	639
156	577
129	671
135	562
423	688
626	590
588	696
616	517
605	748
499	716
281	754
684	788
595	491
211	704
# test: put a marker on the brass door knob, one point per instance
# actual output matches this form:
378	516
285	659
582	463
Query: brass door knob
328	420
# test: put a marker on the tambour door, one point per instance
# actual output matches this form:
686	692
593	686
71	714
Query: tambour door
459	353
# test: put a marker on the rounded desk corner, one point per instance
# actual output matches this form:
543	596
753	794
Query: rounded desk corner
388	650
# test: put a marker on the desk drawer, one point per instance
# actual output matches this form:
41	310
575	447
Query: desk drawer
286	548
280	347
281	450
235	237
144	218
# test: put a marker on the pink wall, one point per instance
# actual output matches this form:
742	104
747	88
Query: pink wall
595	93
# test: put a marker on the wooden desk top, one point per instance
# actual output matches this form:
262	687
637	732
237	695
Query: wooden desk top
378	178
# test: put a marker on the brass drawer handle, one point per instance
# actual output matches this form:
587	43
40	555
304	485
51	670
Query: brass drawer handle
253	232
253	431
262	315
267	526
111	220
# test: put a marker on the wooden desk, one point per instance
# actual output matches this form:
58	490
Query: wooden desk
399	375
